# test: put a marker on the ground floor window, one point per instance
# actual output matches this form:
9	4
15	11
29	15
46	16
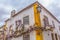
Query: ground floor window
56	37
59	37
26	36
52	35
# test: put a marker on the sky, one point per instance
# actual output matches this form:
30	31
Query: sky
6	6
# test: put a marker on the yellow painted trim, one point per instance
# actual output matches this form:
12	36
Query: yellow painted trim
37	20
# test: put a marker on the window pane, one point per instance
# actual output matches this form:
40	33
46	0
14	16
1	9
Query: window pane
46	22
53	24
26	20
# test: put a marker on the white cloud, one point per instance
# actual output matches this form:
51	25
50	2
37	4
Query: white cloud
9	5
7	8
59	17
58	5
1	24
46	2
5	16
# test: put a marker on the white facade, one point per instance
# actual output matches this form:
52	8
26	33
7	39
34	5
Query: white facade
47	34
30	12
32	36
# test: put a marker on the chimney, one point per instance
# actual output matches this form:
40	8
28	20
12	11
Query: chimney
13	13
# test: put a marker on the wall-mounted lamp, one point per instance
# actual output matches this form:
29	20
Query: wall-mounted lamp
39	8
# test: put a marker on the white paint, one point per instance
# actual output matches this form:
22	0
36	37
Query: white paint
18	38
30	12
33	35
50	18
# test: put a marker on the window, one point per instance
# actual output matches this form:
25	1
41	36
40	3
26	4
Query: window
53	24
18	24
59	27
46	22
52	36
26	36
11	29
26	20
56	37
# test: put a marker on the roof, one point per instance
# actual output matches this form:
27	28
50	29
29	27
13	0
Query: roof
7	19
31	6
2	26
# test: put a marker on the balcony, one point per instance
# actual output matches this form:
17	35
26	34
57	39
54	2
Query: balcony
49	27
22	31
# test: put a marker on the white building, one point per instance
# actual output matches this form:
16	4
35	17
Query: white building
33	17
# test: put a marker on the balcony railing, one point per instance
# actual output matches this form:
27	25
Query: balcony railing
22	31
49	27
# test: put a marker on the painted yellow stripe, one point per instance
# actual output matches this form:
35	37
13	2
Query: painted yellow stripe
39	35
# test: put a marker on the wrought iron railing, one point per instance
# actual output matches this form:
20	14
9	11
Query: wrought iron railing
18	33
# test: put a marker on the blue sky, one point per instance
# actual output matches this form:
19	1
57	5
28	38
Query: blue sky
6	6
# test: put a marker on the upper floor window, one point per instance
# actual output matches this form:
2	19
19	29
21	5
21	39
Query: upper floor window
11	29
46	22
26	20
53	24
18	24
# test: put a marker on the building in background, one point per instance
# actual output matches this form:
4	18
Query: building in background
34	22
5	31
2	34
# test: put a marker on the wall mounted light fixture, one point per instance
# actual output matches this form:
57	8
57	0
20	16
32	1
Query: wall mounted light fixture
39	8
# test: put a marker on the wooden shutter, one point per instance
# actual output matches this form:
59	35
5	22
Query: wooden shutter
26	20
